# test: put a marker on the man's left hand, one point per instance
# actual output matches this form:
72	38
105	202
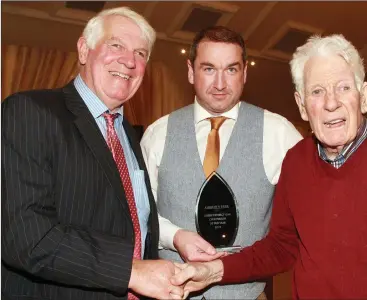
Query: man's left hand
192	247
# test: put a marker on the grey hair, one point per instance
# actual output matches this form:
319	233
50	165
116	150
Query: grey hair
94	30
329	45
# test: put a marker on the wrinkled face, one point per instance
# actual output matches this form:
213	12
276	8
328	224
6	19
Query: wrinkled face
114	69
218	75
332	104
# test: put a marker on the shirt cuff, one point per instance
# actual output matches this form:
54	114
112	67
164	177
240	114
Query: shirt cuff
167	231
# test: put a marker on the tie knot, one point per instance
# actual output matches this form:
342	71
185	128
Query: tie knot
110	118
216	122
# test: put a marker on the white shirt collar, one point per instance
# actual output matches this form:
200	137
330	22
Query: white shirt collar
201	113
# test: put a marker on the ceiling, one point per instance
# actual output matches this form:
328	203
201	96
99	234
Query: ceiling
272	30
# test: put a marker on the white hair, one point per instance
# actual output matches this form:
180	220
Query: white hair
94	30
335	44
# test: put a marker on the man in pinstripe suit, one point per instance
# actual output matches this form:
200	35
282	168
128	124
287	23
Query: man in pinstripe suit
67	232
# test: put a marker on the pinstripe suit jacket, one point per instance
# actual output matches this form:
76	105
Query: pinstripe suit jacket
66	228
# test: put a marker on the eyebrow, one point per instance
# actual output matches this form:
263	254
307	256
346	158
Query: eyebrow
115	39
345	80
141	49
122	42
208	64
234	64
312	86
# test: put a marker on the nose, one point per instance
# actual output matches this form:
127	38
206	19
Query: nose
331	100
220	82
127	59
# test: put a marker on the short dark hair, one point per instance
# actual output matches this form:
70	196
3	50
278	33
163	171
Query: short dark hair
218	34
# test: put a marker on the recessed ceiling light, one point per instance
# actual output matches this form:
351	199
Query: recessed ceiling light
183	51
252	63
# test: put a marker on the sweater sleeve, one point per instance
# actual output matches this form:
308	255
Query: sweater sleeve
275	253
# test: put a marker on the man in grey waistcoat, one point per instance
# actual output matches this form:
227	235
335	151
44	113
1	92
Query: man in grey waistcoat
251	144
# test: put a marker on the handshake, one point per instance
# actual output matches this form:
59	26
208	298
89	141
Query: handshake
163	279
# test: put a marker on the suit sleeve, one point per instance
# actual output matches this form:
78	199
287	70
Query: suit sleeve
275	253
33	239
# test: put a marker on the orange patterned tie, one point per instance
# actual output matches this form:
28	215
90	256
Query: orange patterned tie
211	159
119	157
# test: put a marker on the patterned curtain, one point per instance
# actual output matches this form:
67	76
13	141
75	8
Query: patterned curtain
27	68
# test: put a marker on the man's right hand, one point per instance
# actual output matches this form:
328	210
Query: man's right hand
151	278
197	276
192	247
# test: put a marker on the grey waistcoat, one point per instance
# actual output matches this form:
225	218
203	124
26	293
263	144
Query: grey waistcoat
181	175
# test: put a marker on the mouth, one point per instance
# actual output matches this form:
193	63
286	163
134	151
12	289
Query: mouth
121	75
335	123
219	95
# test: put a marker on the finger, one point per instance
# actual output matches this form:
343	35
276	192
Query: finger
193	286
186	294
204	246
174	296
180	266
176	290
201	257
181	277
219	254
177	270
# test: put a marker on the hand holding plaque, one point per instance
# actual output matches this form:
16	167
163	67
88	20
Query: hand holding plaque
216	214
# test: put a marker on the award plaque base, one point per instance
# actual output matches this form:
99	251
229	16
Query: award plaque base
231	249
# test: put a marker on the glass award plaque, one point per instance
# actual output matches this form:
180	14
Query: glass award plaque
216	214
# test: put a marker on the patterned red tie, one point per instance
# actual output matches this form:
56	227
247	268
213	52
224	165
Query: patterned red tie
119	157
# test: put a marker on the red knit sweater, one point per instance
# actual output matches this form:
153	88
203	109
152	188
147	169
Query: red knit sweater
318	225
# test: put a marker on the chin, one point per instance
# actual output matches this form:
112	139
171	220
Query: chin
118	96
335	142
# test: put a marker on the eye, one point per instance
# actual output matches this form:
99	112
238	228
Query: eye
232	70
316	92
208	69
142	54
345	88
116	47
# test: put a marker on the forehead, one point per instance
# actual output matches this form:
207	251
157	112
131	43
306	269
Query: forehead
215	52
124	29
324	69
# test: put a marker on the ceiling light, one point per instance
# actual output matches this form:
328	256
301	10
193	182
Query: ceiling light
183	51
252	63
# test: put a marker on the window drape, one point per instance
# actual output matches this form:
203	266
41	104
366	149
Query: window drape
28	68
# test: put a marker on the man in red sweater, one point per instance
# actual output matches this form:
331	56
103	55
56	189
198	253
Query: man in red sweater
319	220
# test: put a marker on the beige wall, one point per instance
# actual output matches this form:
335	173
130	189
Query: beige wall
268	86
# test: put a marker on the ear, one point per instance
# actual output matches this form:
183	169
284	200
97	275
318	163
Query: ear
82	50
190	73
301	106
245	73
364	98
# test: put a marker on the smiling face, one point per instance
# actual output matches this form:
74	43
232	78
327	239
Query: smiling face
114	69
332	104
218	75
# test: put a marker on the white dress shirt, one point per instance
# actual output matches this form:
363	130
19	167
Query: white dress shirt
279	136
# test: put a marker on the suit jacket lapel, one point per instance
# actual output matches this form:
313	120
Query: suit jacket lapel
134	143
90	132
